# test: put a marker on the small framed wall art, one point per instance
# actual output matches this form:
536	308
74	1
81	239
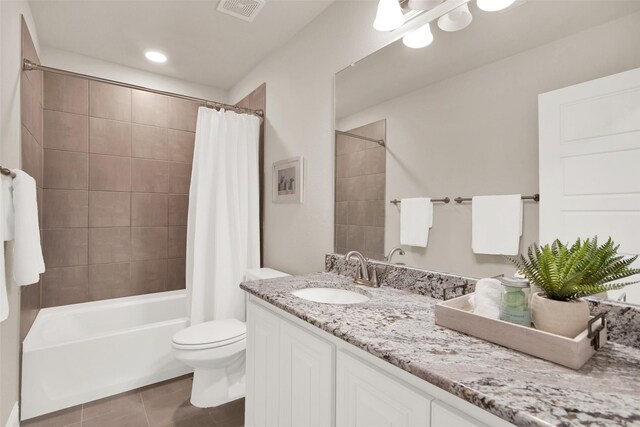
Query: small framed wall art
288	176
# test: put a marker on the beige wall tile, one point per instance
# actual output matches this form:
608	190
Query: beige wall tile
109	173
374	241
176	273
110	281
177	242
65	170
109	101
355	238
341	236
109	137
178	209
65	247
65	208
348	144
26	103
376	160
32	157
182	114
149	142
109	245
375	213
342	212
65	131
355	164
109	209
149	243
37	115
66	285
375	187
355	188
181	145
68	94
150	176
180	177
149	209
149	108
149	276
357	213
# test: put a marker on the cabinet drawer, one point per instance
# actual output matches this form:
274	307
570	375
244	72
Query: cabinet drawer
445	416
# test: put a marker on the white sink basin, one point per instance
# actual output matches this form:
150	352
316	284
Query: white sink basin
330	295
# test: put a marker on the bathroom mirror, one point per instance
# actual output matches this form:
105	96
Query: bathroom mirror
459	118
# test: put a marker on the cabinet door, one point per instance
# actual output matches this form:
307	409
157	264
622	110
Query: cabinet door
261	403
445	416
306	378
365	397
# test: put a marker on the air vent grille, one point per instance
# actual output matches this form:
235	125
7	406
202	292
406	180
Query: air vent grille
247	10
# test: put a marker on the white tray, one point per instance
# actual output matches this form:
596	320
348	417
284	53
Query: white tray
457	314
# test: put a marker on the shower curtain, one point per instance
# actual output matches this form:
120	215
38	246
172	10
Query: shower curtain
223	234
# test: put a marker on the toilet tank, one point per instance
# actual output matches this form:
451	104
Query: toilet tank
263	273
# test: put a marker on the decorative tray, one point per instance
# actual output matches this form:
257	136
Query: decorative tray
457	314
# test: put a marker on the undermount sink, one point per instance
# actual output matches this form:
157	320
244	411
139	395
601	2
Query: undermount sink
330	295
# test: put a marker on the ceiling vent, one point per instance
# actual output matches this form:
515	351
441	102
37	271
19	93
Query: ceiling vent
247	10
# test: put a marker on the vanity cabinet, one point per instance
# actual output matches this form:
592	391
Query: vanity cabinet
301	376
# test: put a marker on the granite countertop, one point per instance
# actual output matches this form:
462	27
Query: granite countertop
398	326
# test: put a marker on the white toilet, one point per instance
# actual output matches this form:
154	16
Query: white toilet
216	351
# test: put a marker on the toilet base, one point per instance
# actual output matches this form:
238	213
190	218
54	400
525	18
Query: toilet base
215	387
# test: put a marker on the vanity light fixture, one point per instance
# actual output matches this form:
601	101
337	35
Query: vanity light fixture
155	56
456	20
423	4
389	16
419	38
494	5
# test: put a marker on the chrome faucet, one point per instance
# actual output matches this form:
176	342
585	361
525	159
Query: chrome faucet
363	277
392	252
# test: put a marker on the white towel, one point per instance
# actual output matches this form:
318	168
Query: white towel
6	232
496	224
486	299
416	218
27	252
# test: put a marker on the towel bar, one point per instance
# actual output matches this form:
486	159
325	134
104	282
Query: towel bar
535	198
445	200
7	172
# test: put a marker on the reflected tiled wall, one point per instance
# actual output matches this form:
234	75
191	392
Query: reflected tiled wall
117	167
360	191
32	154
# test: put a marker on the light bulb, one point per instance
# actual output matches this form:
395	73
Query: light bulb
419	38
494	5
423	4
389	16
456	20
155	56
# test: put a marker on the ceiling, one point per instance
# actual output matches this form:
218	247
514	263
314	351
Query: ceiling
203	45
397	70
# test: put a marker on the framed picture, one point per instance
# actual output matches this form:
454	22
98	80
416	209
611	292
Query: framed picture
288	178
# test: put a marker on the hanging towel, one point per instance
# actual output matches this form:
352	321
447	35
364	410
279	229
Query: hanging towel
416	218
27	252
496	224
6	234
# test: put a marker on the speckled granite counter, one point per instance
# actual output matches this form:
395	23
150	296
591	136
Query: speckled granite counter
398	326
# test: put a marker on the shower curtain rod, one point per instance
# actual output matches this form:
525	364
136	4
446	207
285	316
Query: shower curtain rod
31	66
377	141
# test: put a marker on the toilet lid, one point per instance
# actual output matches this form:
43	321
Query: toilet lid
221	332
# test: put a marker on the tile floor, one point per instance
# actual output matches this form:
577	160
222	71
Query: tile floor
164	404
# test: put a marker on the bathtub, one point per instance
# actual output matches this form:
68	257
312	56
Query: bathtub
82	352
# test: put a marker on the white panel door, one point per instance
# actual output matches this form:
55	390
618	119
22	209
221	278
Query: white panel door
261	402
306	378
445	416
366	397
590	163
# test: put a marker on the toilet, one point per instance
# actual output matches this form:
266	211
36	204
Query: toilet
216	351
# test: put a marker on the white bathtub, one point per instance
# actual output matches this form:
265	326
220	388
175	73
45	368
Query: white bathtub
82	352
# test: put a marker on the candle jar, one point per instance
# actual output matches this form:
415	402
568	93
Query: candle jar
514	304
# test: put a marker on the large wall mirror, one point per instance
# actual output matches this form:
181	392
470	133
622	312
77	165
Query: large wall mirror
459	118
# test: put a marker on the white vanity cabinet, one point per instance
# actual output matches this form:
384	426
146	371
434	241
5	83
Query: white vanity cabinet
301	376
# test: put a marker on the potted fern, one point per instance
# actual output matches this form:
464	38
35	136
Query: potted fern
565	274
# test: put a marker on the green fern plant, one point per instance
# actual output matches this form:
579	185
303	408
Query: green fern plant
566	273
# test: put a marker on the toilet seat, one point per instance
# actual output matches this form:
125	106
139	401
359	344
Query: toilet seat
213	334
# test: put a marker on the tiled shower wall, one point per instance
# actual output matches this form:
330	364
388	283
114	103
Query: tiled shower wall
360	191
32	153
117	167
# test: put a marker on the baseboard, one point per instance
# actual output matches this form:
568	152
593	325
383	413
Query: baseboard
14	417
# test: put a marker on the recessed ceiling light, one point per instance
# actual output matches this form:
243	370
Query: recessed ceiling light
155	56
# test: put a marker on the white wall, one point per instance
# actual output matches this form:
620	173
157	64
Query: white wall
300	118
10	135
108	70
477	133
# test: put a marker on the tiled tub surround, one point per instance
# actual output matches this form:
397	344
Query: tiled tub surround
360	191
117	166
398	326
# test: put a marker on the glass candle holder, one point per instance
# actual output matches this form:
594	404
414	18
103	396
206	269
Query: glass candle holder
514	304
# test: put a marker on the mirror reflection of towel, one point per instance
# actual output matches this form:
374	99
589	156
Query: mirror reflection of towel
416	218
496	224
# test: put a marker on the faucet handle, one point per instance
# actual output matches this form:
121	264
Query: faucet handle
374	277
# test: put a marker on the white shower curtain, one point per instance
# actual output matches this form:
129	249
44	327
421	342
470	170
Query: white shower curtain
223	232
